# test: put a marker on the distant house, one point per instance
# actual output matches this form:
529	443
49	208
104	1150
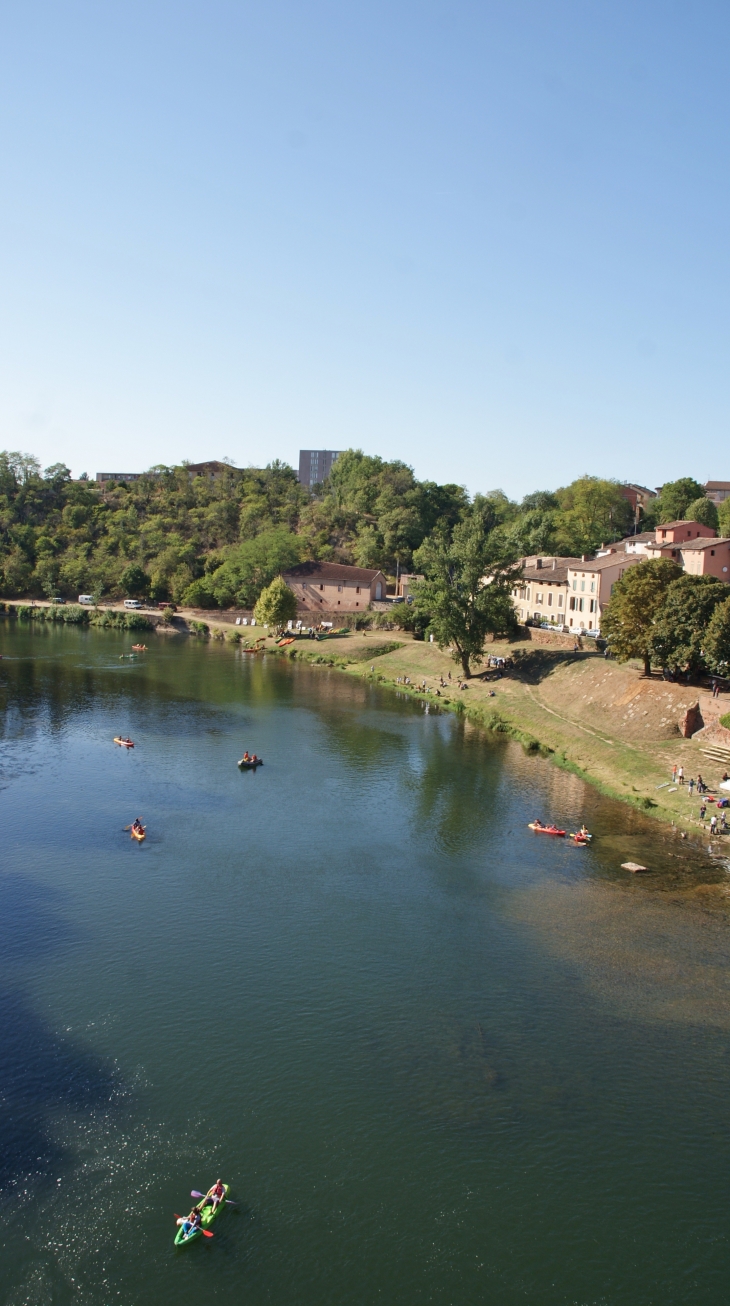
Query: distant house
639	496
405	584
718	491
315	465
542	594
569	592
212	470
706	556
118	476
326	586
675	532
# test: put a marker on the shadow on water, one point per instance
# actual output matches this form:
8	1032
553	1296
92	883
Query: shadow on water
44	1074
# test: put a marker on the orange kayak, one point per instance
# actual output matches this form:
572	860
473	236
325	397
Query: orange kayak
546	829
124	743
139	834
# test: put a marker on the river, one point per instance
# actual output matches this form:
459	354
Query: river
438	1058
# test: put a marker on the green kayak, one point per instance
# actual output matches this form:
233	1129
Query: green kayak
207	1216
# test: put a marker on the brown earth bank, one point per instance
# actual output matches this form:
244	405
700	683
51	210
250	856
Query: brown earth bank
608	723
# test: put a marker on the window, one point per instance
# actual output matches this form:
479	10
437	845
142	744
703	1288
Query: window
580	605
575	584
593	605
572	605
538	598
593	587
550	598
560	600
357	589
712	553
321	587
582	586
339	590
537	616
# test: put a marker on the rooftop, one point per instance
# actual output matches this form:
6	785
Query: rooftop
672	525
717	485
336	571
703	542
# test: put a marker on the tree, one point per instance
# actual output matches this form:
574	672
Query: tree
277	604
681	625
716	644
466	593
627	621
704	511
133	580
675	498
592	512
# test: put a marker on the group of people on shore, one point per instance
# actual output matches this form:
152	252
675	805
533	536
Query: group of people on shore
718	823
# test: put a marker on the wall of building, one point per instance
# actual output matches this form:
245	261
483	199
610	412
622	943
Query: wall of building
315	596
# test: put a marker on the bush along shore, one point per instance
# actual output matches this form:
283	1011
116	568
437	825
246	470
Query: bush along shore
75	615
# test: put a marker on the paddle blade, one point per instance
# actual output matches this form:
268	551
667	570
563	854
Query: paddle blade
195	1193
207	1234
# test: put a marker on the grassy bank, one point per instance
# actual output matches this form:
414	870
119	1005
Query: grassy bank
74	615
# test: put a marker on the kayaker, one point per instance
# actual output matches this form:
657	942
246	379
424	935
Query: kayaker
253	758
216	1194
137	825
192	1223
246	757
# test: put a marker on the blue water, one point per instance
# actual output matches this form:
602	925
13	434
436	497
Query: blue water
438	1059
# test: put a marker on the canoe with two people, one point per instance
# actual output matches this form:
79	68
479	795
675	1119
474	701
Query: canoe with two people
203	1213
250	761
539	828
137	829
125	743
581	836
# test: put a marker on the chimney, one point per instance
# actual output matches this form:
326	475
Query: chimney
584	557
538	563
553	564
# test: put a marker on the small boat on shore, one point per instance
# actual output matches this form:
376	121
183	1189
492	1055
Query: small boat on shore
539	828
123	743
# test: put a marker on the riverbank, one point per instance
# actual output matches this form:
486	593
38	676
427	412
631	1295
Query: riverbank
604	722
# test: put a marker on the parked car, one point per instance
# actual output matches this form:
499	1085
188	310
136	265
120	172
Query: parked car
55	598
86	599
132	603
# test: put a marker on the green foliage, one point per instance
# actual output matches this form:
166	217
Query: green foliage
704	511
251	565
716	643
725	720
134	581
675	499
200	628
723	514
592	512
467	591
682	624
627	621
277	604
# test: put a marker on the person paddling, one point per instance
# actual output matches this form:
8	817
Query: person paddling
216	1194
192	1223
137	826
246	757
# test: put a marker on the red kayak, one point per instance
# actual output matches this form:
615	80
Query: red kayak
539	828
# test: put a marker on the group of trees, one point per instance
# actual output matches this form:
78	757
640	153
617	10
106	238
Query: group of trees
222	542
669	619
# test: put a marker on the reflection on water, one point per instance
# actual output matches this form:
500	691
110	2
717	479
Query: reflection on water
439	1058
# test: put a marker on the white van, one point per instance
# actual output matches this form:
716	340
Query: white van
132	603
86	599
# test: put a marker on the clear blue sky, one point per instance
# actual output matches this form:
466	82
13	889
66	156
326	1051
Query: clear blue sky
490	239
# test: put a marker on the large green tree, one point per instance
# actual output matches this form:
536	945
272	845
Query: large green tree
592	512
466	594
704	511
675	498
276	605
681	625
627	622
716	642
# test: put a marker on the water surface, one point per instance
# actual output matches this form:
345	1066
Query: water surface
438	1058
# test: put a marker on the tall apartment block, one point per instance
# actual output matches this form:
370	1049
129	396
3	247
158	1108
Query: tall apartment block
315	465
